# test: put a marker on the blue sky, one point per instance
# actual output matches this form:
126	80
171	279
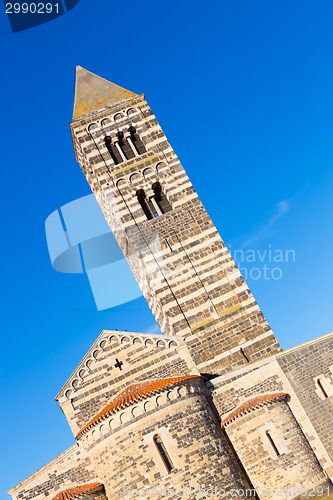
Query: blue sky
257	77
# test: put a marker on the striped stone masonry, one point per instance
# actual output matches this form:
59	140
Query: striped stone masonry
211	407
179	260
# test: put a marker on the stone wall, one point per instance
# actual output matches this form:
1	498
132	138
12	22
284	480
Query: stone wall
182	266
72	468
305	366
265	377
275	453
211	324
98	378
127	459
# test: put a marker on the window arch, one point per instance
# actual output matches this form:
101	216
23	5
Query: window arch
123	149
136	141
156	205
245	356
145	204
272	443
160	198
114	153
163	453
125	146
321	387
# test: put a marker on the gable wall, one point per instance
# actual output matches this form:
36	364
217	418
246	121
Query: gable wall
103	380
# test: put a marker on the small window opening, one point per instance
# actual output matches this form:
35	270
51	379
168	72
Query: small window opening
322	388
163	453
167	242
160	198
155	208
270	439
136	141
145	204
114	153
124	146
244	355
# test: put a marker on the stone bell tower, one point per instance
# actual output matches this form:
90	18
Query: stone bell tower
179	260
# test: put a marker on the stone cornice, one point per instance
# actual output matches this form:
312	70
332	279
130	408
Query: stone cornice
133	394
252	405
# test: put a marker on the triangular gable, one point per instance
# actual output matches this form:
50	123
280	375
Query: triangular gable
93	93
148	339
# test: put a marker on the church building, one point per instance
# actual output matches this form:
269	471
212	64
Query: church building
212	408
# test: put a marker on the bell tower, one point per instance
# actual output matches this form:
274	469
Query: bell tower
179	260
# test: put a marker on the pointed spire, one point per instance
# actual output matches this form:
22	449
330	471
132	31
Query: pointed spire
93	92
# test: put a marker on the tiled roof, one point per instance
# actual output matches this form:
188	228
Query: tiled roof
252	405
132	394
78	491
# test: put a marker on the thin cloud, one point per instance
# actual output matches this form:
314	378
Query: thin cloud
280	210
155	329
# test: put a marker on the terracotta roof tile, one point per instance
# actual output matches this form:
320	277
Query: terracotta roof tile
252	405
78	491
132	394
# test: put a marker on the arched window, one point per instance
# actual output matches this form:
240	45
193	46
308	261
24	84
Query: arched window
125	149
163	453
136	141
273	445
244	355
321	387
160	198
114	152
156	205
145	205
125	146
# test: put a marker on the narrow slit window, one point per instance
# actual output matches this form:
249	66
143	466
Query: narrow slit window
136	141
142	199
163	453
244	355
114	153
160	198
273	445
321	387
167	242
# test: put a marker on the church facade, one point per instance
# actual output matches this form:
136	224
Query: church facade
213	408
